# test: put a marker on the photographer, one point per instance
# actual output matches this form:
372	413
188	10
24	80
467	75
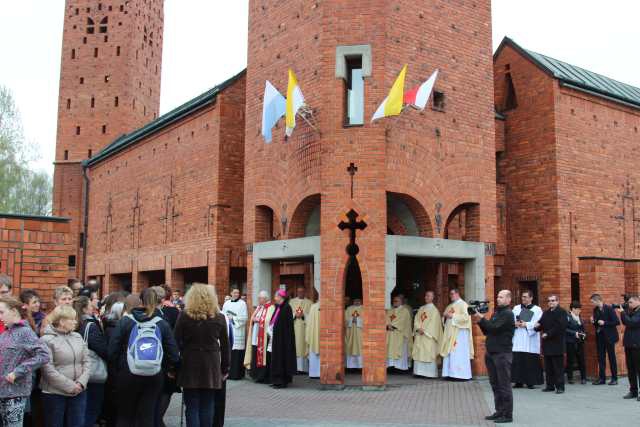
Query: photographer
630	317
498	358
553	325
575	343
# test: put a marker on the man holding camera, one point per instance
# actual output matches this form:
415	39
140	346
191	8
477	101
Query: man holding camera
498	358
630	317
553	326
606	322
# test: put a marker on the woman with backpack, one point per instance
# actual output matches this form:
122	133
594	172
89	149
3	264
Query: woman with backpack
143	348
22	353
65	377
96	341
201	334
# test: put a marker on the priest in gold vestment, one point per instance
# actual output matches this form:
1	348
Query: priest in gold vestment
427	327
312	337
456	347
353	334
399	336
300	306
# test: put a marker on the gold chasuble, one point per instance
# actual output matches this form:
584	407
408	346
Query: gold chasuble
460	320
300	306
426	345
400	320
353	336
312	333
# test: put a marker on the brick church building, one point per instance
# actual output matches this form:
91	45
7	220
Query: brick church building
519	174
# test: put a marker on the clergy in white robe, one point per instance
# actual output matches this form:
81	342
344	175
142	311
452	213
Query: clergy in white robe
312	337
353	334
399	336
526	367
427	327
300	306
456	347
236	311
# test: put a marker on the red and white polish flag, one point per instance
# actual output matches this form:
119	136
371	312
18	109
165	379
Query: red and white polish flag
419	95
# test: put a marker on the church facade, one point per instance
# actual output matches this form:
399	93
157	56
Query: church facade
519	174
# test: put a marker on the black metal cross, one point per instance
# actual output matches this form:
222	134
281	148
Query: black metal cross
352	169
352	226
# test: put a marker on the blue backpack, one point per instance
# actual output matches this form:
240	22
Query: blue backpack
144	351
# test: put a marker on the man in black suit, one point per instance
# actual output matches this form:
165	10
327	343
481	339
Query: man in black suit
553	327
606	322
631	341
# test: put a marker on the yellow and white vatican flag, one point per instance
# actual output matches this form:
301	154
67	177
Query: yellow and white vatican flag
295	100
392	104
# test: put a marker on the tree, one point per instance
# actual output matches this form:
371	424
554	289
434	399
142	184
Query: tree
22	190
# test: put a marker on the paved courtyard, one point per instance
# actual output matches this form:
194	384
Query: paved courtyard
416	402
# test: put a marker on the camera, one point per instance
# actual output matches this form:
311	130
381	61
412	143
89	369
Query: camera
481	307
624	305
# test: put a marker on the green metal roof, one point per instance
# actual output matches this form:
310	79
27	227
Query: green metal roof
126	140
579	78
35	217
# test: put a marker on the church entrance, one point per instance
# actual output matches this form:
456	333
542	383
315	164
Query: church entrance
150	278
120	282
415	276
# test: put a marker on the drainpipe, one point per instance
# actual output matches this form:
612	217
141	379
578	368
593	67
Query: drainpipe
86	222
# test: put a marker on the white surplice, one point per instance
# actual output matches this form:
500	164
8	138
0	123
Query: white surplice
526	340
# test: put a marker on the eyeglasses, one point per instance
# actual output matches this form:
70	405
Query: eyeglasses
551	300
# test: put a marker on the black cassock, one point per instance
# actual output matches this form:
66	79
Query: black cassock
283	348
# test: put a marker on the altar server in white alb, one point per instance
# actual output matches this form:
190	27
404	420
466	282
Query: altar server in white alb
456	347
236	311
526	368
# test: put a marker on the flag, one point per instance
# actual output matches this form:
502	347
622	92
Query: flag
273	107
392	104
295	100
419	95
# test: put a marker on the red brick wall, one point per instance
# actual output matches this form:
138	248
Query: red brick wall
127	66
528	169
35	254
191	169
446	157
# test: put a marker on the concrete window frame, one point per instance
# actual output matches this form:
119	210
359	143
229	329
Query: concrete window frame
344	52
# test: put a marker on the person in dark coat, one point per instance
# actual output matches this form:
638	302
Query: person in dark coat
631	342
91	331
606	322
201	334
138	395
553	328
575	343
283	343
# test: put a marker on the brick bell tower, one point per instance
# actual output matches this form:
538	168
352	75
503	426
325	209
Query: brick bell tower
109	86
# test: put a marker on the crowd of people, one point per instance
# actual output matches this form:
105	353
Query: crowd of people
112	361
119	359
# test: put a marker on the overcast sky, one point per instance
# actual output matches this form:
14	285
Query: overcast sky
205	42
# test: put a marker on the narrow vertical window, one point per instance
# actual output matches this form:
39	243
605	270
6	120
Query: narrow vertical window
104	129
66	154
73	54
89	152
93	102
77	130
115	101
68	103
81	80
354	92
95	52
117	50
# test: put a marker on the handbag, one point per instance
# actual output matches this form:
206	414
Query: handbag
98	373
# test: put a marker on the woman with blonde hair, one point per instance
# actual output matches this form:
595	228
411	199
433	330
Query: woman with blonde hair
201	334
65	377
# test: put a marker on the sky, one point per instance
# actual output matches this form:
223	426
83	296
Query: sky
205	42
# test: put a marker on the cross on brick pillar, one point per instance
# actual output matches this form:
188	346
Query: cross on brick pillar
170	213
352	169
108	226
352	226
136	222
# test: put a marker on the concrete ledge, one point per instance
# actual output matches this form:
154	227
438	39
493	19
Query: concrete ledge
374	388
332	387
